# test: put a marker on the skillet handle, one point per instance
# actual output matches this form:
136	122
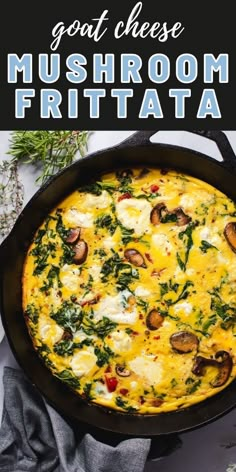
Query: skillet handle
219	137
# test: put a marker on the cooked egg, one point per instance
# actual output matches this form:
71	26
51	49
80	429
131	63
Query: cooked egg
122	312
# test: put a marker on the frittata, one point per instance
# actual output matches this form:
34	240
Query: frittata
129	291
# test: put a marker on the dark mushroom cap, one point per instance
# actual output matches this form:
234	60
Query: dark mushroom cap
134	256
154	320
122	371
73	236
184	342
224	366
182	218
230	235
80	252
155	216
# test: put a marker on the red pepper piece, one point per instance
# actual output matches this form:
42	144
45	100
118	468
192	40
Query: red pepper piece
124	196
154	188
124	391
111	383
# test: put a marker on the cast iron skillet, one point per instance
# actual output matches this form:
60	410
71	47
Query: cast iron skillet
137	150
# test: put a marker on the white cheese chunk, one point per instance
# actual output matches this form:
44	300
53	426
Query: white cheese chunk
141	291
109	242
114	308
75	218
97	201
148	368
50	331
70	277
83	362
184	306
161	240
95	272
121	341
134	214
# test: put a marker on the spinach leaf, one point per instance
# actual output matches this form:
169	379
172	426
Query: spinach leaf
42	252
60	227
87	391
43	351
186	237
53	275
106	221
183	294
193	385
103	357
32	313
124	404
211	321
96	188
226	312
102	328
124	273
69	316
66	347
68	377
68	254
205	246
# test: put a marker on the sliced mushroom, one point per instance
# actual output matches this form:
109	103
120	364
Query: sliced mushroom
154	320
122	371
200	363
73	236
67	335
80	252
224	366
182	218
230	235
156	213
134	256
184	341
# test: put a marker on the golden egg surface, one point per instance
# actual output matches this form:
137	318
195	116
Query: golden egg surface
129	291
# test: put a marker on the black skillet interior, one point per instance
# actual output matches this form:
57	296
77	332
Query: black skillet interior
136	151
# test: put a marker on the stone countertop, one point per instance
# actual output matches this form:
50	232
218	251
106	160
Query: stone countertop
211	448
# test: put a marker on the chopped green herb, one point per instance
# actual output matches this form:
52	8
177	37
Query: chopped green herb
193	387
69	316
60	228
173	383
68	377
205	246
53	275
169	218
210	322
183	294
103	357
97	188
32	313
43	351
100	252
143	304
87	391
124	404
102	328
186	237
68	254
106	221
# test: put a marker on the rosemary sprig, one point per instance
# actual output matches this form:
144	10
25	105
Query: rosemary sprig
11	196
51	150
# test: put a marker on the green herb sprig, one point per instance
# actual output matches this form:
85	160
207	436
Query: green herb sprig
50	150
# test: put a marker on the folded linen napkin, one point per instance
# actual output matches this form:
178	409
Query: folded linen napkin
35	438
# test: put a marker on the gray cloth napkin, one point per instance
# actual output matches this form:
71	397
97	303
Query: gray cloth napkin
35	438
